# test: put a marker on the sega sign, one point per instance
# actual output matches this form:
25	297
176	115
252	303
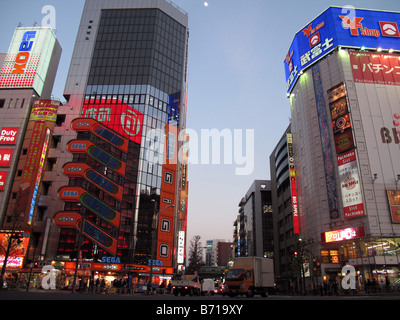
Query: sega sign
340	26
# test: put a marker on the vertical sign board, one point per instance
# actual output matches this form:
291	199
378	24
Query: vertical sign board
349	180
3	177
38	176
165	237
295	205
350	185
42	120
325	141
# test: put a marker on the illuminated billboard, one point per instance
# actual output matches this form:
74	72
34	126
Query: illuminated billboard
5	157
350	185
165	237
293	188
18	249
377	83
394	204
336	26
343	234
44	110
28	58
117	116
8	135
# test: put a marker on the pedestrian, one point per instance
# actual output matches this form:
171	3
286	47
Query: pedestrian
387	283
373	285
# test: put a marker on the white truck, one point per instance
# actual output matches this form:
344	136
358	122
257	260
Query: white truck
250	276
189	285
208	287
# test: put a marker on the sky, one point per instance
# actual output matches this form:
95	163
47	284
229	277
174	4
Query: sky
236	85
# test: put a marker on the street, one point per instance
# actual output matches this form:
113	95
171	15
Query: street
40	294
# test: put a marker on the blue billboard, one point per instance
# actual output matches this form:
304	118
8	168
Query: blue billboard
341	26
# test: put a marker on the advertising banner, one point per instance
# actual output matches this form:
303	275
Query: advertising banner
3	177
100	131
394	204
117	116
44	110
99	236
293	189
337	26
28	59
350	185
343	234
8	135
67	219
376	78
166	222
325	128
38	176
5	157
17	250
375	68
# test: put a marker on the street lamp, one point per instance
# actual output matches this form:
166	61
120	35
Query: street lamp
79	251
153	228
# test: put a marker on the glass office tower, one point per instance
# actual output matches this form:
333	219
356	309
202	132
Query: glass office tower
126	92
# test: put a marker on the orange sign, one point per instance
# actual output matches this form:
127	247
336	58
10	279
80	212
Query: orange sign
18	250
67	219
101	131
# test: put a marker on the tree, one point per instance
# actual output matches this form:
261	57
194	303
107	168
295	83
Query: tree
301	254
195	255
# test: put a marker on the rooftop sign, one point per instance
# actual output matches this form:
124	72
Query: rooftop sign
337	26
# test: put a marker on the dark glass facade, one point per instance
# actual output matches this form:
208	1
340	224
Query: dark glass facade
136	47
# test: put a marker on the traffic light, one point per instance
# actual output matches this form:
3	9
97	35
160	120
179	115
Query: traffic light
19	238
295	254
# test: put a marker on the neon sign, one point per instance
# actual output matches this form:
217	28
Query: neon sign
38	177
343	234
336	27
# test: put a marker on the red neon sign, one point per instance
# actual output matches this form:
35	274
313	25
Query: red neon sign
343	234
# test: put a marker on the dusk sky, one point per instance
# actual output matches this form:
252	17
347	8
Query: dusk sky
236	81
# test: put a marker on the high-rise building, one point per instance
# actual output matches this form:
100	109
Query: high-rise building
27	119
218	252
27	74
253	233
118	180
343	82
283	194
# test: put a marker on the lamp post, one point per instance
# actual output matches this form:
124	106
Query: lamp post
79	251
154	227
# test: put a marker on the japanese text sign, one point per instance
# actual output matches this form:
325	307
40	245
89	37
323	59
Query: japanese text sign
338	26
375	68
